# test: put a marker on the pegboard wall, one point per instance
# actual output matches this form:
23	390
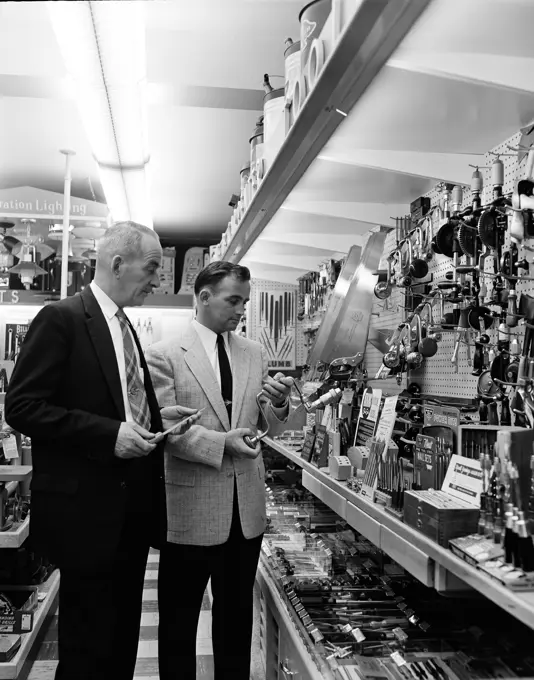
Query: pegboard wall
439	376
255	322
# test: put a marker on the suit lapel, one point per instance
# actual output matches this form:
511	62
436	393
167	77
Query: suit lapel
200	366
101	338
240	374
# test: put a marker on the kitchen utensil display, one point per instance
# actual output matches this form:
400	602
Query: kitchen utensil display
426	346
384	288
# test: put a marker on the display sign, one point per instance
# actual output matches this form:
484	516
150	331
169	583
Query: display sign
31	202
320	453
444	416
368	418
387	419
15	334
425	449
307	449
276	316
464	480
193	265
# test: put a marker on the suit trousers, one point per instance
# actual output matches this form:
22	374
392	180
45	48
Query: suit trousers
184	572
100	611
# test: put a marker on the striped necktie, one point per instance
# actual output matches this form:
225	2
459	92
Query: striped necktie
134	382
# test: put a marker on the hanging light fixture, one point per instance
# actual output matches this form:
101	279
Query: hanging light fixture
27	269
91	253
6	258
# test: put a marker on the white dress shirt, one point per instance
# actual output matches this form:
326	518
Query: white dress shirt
110	309
209	341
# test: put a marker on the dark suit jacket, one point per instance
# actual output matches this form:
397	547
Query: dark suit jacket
65	393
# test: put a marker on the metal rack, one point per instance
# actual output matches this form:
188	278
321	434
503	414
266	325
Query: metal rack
439	376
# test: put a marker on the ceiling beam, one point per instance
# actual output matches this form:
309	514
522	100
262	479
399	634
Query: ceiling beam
502	72
158	94
373	213
326	241
445	167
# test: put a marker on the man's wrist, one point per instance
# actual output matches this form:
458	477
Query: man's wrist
281	404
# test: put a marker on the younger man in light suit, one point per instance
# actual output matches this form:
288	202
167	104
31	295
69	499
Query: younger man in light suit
214	481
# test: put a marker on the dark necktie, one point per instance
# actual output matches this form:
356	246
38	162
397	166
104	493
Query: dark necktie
226	375
134	382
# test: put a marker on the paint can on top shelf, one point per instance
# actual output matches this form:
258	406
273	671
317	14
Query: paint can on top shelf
292	67
245	174
312	19
256	144
273	123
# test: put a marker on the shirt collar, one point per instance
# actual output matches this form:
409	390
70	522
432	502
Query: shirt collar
208	337
108	307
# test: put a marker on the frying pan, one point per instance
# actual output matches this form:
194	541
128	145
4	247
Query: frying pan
499	366
445	239
474	315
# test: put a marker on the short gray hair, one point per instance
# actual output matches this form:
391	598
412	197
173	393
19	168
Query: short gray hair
124	239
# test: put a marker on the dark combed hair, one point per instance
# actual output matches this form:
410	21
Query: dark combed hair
215	272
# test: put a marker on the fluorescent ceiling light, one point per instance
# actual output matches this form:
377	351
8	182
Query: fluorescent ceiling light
104	49
128	193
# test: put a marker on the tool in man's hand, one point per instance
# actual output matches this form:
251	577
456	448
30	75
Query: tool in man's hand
161	435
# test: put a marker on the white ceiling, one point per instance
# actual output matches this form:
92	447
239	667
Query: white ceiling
206	62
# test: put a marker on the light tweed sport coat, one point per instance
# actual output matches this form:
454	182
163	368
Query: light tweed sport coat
199	476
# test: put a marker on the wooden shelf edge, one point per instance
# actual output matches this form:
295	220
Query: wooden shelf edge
518	604
14	539
368	40
12	669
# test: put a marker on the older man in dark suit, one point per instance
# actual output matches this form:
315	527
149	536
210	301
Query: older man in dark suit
81	390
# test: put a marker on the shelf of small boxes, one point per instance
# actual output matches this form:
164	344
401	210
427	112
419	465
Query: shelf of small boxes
430	563
15	646
364	615
15	537
15	533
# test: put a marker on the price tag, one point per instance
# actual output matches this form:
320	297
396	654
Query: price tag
10	447
358	635
398	659
317	635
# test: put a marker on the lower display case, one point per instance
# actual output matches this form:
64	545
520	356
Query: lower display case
374	522
49	589
348	598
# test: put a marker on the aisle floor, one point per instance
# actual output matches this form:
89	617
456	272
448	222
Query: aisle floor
44	665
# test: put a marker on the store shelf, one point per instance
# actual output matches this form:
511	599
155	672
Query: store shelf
13	668
15	473
367	42
15	538
409	547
